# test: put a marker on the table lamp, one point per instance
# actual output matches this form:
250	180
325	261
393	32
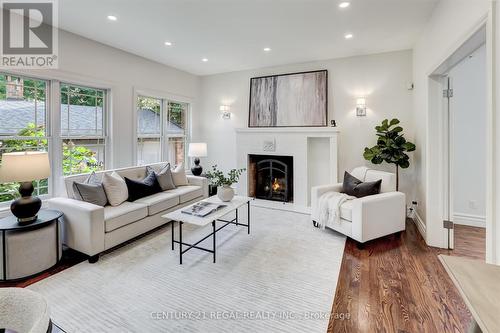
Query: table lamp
197	150
24	168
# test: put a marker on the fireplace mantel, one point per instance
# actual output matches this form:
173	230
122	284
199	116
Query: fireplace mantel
288	130
314	152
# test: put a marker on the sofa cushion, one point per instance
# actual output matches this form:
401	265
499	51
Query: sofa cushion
115	188
142	188
164	177
188	192
346	210
126	213
159	202
179	176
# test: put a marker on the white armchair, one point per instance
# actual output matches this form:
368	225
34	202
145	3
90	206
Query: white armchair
370	217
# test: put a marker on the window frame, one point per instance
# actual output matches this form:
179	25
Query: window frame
159	136
47	136
105	124
165	98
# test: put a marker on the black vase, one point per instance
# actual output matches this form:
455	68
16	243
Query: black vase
27	207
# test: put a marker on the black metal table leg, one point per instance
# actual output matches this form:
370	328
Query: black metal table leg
248	223
173	226
180	242
236	216
214	232
4	256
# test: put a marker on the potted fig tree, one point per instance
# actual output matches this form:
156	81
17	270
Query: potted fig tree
391	147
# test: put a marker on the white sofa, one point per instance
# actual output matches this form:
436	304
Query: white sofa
92	229
370	217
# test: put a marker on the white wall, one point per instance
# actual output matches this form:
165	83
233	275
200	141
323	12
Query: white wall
87	62
381	78
452	21
468	114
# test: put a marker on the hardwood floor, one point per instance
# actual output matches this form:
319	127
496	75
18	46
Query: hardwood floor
397	284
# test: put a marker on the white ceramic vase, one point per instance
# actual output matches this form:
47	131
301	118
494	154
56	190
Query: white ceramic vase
225	193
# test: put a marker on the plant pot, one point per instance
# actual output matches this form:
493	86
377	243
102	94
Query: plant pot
225	193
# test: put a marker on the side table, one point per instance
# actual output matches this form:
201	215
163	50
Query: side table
30	249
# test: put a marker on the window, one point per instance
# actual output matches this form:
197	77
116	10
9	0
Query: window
23	124
176	132
83	134
149	136
159	140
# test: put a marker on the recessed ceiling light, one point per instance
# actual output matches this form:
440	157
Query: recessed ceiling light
204	59
267	49
112	18
348	36
344	4
168	43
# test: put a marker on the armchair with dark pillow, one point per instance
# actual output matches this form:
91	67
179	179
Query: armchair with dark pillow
378	209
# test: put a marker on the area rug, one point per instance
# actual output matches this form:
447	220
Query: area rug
280	278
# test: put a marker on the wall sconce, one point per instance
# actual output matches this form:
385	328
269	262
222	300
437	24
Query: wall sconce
360	107
224	109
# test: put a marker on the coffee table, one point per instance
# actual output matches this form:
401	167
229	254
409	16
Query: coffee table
181	218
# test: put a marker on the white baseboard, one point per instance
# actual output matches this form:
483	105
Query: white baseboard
419	222
470	220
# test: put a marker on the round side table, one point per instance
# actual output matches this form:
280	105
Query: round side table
29	249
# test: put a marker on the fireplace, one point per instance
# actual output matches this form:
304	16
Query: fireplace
270	177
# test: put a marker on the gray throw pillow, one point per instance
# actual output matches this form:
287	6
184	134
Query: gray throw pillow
164	177
91	190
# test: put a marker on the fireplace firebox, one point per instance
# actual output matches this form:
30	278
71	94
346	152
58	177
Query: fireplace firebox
270	177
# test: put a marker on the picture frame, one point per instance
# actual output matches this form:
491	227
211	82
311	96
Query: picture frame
289	100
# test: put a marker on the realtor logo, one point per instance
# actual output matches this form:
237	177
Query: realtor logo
29	34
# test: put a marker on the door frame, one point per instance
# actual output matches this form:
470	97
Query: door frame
439	140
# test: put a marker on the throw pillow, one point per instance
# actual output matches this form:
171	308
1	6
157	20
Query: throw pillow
142	188
164	177
355	187
115	188
91	190
179	176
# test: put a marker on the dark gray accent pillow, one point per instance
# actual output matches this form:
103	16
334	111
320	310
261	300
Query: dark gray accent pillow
164	177
91	190
355	187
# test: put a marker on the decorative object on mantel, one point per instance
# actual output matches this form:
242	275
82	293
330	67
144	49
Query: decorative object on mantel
224	190
391	147
269	144
197	150
333	123
289	100
226	114
361	107
24	168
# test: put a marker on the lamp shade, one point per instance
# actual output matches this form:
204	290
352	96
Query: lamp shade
197	149
24	166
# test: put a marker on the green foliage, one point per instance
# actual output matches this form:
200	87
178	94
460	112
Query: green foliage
78	159
152	104
74	95
217	177
391	146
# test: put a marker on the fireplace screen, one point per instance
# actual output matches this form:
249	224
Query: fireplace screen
271	177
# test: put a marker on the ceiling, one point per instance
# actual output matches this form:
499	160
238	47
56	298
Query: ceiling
232	34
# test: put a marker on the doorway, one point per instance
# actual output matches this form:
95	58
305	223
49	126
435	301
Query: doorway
459	98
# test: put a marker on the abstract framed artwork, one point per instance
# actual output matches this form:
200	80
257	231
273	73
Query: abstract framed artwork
289	100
